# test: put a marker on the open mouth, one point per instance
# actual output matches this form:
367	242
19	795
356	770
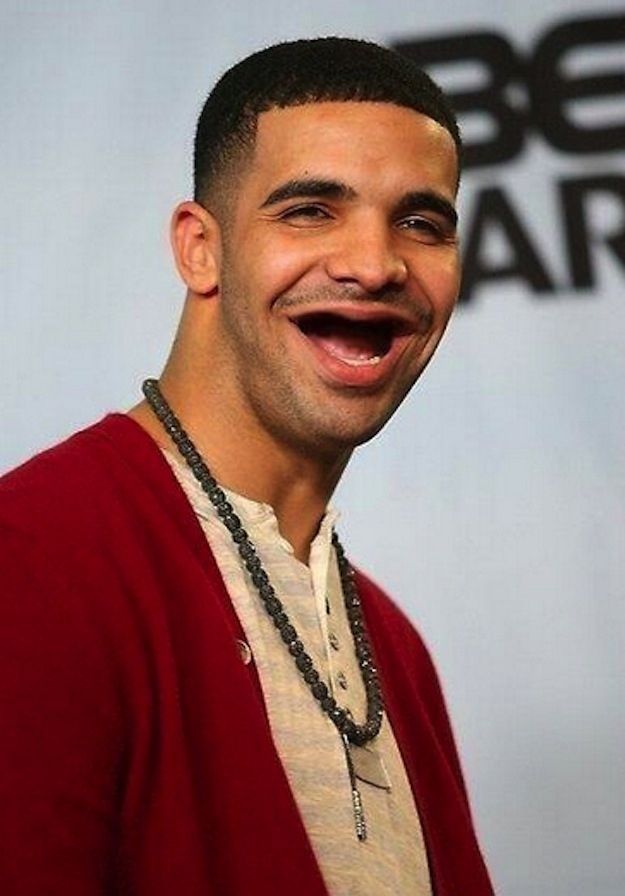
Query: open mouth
357	343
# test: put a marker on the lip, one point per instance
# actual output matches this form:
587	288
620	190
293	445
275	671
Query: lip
336	372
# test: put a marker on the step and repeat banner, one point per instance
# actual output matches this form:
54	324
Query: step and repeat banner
493	505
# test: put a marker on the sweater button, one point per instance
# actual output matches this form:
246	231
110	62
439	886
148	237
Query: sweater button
244	651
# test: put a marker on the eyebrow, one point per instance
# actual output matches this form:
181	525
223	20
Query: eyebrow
323	188
428	200
299	188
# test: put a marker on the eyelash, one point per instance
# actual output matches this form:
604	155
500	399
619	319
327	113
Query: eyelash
318	212
309	210
425	223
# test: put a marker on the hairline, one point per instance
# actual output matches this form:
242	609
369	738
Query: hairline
246	136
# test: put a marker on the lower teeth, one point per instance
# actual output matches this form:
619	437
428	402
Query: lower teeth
361	362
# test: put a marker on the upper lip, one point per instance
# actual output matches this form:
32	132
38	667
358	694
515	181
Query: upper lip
402	322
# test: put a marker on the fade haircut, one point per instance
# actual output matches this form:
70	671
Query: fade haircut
325	69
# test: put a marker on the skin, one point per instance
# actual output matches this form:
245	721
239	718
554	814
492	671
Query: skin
343	206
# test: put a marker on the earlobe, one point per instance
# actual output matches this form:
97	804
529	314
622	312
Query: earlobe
196	243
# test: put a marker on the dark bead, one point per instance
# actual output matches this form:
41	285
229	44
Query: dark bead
280	620
371	730
328	704
239	536
246	550
320	690
288	634
338	716
349	728
362	652
370	673
296	647
303	662
374	711
185	447
193	459
374	695
260	578
232	522
217	496
273	605
359	737
224	507
252	563
311	676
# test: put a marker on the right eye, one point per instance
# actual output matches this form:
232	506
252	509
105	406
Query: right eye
306	214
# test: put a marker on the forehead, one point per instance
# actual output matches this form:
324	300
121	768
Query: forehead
376	144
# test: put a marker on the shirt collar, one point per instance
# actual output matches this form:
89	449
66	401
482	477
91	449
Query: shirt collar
258	518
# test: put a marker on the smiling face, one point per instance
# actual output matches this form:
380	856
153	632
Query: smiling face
340	269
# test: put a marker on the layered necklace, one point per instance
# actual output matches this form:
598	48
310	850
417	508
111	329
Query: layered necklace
350	732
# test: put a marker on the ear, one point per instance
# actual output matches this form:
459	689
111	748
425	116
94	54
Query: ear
196	243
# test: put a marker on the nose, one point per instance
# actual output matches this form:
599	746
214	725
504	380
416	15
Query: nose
368	256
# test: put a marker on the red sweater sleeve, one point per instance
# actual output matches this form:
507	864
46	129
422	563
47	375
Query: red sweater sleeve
59	764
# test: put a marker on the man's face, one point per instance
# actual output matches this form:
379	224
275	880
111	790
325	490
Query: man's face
340	268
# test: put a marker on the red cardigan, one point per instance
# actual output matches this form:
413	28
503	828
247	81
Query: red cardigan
135	754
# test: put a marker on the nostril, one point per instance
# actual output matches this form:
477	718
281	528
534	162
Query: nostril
371	264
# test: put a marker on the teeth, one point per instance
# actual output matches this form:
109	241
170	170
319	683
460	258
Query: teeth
360	362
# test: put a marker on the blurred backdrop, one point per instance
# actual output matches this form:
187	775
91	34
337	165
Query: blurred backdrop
493	505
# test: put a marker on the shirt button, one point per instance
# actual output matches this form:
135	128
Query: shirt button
334	641
342	680
245	652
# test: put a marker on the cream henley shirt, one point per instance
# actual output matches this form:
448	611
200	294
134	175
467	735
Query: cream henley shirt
392	860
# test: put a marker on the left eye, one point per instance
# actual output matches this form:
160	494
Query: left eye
307	213
423	227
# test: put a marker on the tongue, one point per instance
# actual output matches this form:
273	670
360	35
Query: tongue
347	340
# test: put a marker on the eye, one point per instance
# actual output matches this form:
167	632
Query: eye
427	230
305	215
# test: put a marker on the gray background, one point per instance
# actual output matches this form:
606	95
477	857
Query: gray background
492	507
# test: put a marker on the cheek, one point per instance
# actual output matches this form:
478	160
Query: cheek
280	263
440	279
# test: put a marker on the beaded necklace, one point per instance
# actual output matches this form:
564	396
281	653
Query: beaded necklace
349	731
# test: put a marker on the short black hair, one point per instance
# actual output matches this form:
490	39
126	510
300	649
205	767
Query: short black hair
324	69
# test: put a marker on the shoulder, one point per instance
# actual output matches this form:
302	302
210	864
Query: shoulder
66	488
86	521
74	532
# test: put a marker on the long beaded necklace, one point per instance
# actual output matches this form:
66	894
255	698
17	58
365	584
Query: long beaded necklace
350	731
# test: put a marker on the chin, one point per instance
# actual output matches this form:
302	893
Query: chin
342	433
326	424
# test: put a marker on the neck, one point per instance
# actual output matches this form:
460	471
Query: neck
246	459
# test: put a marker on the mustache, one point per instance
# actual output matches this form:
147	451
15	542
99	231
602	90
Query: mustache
416	309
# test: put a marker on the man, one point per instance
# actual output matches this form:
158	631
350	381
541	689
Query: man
199	695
